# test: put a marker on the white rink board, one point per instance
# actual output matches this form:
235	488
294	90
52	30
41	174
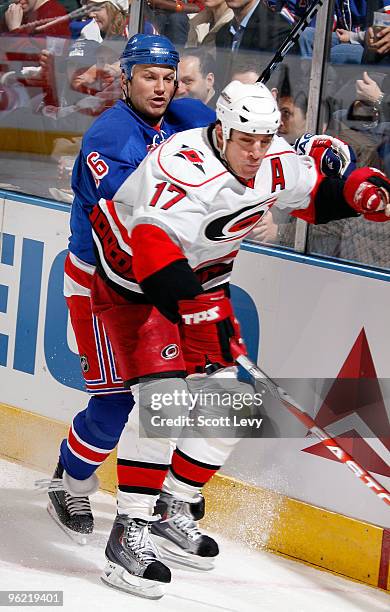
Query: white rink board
34	248
309	318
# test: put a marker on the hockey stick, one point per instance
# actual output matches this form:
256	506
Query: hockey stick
81	12
309	422
41	24
290	40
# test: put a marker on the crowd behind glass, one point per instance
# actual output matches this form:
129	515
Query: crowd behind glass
59	69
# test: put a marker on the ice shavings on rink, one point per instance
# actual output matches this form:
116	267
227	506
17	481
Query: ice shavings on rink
37	555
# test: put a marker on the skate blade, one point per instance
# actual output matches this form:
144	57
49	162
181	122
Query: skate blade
118	578
176	558
80	538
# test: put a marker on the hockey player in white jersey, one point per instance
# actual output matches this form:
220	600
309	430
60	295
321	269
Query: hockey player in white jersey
171	250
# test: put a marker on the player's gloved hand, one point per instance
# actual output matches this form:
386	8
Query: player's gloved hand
333	157
367	190
208	324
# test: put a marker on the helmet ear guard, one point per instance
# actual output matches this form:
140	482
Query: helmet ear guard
247	108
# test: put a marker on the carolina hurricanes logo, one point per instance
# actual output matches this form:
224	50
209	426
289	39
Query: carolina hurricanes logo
84	363
237	224
170	352
192	155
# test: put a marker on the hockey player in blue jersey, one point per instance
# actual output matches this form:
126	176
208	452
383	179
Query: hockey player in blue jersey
111	150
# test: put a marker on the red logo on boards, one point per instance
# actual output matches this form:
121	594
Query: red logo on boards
354	409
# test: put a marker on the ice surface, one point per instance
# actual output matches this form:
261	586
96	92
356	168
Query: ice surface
36	555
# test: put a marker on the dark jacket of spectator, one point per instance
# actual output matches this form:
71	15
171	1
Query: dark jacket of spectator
348	14
265	31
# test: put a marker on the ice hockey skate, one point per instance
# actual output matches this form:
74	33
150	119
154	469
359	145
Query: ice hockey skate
72	513
180	541
133	563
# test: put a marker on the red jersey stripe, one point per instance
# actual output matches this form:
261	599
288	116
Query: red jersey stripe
140	477
152	250
84	451
190	471
309	214
123	231
79	276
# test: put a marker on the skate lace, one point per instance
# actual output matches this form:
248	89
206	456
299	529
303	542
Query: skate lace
49	484
182	520
137	538
77	505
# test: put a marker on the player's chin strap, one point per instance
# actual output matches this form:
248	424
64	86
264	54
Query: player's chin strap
126	97
221	154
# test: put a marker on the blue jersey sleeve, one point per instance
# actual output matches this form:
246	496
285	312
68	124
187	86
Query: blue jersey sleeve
188	113
108	156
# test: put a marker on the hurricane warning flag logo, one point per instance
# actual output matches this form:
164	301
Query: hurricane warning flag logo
192	155
355	413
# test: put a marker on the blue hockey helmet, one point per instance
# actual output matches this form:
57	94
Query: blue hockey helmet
148	49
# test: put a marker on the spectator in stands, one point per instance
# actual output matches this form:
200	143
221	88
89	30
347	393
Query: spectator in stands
34	18
365	121
170	17
91	84
348	37
377	48
83	26
292	97
196	76
245	72
254	27
346	47
85	74
350	239
98	74
29	25
205	25
293	115
369	92
292	101
291	10
111	17
365	125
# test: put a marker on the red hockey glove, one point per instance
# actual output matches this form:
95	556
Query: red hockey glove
367	190
332	156
208	324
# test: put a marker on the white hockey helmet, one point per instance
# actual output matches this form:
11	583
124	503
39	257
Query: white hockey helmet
249	108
